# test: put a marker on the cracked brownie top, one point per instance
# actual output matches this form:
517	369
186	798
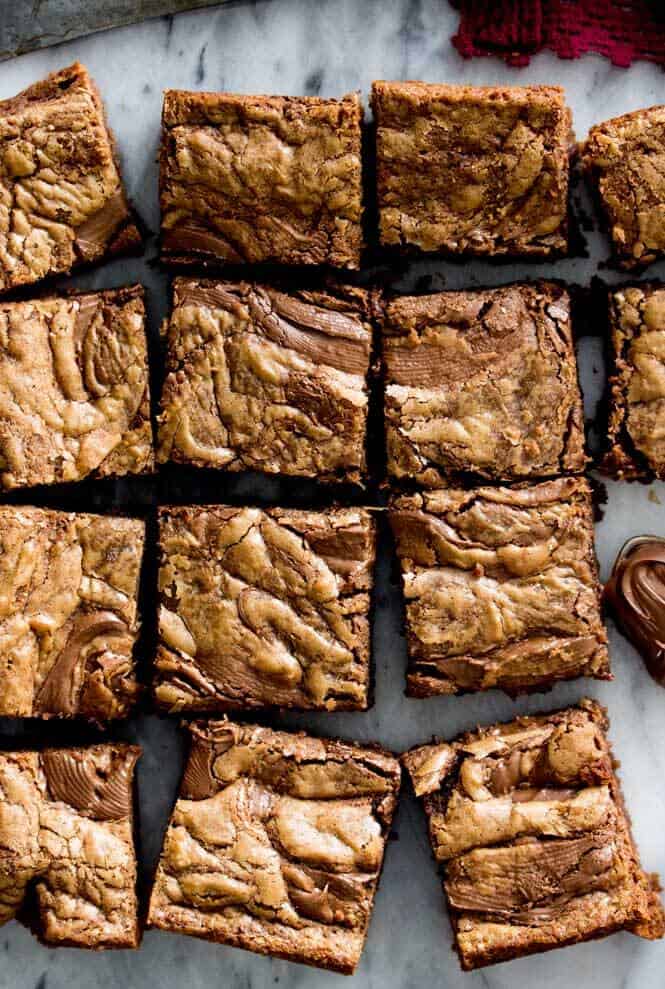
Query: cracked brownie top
68	613
261	379
261	178
264	608
74	395
276	843
62	201
501	587
66	829
636	433
473	170
527	821
482	382
625	160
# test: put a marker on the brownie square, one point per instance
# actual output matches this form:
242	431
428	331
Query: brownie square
625	161
264	608
501	587
276	843
261	379
261	179
74	396
67	859
472	170
527	822
69	620
482	383
62	202
636	427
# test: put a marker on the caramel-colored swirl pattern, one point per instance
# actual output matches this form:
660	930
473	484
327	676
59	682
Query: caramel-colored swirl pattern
74	395
261	608
482	382
276	843
61	197
472	170
66	828
68	613
501	587
261	380
528	823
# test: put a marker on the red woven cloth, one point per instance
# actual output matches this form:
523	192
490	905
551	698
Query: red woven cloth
622	30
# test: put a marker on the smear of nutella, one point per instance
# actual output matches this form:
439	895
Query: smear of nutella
636	594
77	779
94	233
196	240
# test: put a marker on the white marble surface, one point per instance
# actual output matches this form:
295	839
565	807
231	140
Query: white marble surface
329	47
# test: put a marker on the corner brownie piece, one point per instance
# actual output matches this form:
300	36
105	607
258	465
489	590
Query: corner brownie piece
264	608
472	170
74	394
482	382
261	178
276	843
62	202
528	823
636	429
69	621
625	161
66	832
501	587
261	379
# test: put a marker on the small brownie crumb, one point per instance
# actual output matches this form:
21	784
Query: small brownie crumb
624	161
482	382
527	821
66	834
636	430
501	587
69	617
264	608
261	179
472	170
63	202
261	379
74	388
276	843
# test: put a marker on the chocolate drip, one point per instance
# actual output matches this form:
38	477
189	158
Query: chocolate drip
636	595
101	792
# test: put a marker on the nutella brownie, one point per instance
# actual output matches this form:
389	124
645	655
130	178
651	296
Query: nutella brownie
67	859
62	202
527	821
482	382
501	587
636	434
264	608
261	179
260	379
276	843
625	161
69	613
472	170
74	388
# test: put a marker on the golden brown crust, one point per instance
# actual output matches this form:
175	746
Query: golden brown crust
625	161
482	382
527	820
501	587
66	827
472	170
261	179
62	202
276	843
74	393
68	621
264	608
261	379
